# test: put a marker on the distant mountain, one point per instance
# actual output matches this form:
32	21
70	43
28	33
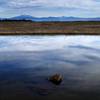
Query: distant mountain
63	18
22	17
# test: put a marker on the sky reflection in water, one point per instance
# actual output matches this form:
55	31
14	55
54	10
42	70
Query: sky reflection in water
27	61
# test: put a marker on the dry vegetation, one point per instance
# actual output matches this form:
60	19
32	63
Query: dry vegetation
49	28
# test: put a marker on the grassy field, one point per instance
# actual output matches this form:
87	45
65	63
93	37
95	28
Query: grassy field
49	28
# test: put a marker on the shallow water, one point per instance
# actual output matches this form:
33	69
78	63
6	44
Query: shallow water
26	62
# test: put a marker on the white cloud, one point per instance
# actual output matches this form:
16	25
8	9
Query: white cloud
44	8
81	4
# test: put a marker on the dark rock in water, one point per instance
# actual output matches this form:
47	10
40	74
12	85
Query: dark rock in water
56	79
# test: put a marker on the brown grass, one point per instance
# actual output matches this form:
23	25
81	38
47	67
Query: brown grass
49	28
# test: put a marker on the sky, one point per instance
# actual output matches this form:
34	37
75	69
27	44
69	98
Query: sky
45	8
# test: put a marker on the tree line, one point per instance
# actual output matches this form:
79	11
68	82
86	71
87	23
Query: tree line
15	20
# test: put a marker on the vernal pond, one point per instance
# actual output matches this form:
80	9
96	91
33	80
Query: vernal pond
26	62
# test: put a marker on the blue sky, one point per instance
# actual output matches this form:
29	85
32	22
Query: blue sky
45	8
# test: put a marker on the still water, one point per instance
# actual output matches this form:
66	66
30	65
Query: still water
26	62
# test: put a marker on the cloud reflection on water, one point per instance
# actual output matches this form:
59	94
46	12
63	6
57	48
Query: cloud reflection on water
41	43
77	57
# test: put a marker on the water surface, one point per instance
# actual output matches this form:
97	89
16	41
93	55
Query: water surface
26	62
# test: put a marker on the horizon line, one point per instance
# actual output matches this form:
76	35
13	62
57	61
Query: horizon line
49	16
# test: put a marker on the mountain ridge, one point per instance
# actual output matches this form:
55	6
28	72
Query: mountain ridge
62	18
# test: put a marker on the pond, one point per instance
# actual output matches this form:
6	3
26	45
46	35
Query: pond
26	62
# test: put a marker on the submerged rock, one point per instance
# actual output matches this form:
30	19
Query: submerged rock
56	79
